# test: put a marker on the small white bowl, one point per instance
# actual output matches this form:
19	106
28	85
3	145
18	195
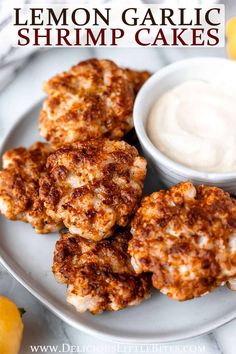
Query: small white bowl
209	69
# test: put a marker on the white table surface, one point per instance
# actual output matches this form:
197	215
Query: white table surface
41	326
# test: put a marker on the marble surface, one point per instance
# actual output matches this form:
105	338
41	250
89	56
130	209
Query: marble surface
41	326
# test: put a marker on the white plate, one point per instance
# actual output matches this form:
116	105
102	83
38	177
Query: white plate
28	257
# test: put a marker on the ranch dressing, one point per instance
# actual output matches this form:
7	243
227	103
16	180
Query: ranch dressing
195	124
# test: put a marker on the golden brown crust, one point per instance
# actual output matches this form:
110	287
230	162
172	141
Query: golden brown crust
93	186
19	186
99	275
93	99
137	78
186	237
231	284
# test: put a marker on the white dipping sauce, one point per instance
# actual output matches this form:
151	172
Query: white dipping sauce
195	124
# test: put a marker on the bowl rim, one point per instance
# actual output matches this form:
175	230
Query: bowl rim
156	154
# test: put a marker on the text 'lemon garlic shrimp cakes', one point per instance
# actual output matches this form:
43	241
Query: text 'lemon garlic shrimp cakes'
186	237
99	275
93	99
19	187
93	186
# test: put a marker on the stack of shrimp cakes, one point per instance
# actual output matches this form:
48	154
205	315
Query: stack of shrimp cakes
87	183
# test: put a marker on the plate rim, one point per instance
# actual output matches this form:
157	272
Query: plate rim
5	260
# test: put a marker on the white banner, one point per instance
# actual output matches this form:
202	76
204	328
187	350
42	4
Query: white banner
152	25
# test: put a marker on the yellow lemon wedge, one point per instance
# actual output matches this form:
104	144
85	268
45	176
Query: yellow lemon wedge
231	35
11	327
231	28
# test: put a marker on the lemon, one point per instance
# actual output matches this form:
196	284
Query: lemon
231	28
11	327
231	35
231	48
